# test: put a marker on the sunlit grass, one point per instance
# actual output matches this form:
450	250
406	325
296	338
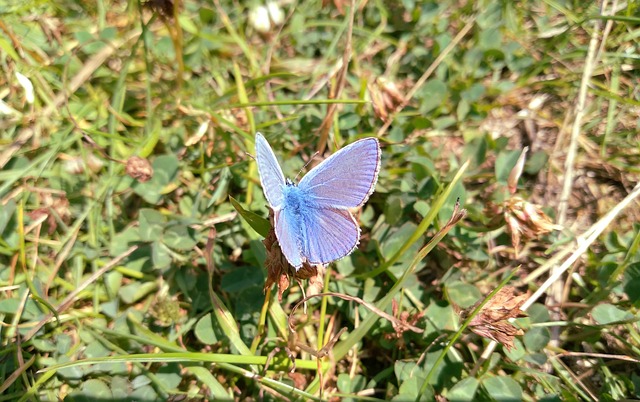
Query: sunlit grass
131	258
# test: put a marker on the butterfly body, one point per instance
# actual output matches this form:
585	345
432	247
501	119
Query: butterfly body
312	219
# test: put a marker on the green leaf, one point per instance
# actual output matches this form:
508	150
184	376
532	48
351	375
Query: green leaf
169	375
258	223
405	370
463	109
218	392
505	163
348	121
396	239
432	94
463	294
165	170
538	313
151	223
464	390
6	214
605	314
503	388
179	237
350	385
536	338
123	240
393	209
441	317
205	331
135	291
536	161
222	186
92	390
144	393
409	391
490	38
538	359
160	255
242	278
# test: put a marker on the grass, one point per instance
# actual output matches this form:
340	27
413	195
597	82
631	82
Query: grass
132	262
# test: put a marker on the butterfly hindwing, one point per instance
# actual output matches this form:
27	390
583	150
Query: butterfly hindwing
289	236
333	234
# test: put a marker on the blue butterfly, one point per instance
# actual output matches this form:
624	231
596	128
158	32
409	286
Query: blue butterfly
312	219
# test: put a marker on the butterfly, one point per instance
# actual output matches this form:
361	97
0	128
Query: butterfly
312	221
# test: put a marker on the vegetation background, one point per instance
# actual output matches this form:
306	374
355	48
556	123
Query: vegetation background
127	271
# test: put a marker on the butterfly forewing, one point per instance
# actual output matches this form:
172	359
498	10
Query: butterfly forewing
346	178
271	176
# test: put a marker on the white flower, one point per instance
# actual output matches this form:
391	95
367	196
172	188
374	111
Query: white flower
259	19
26	84
275	12
263	18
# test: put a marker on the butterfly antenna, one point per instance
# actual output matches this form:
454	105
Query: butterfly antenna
305	165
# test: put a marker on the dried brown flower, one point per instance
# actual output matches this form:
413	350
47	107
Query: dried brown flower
525	220
139	168
385	97
493	320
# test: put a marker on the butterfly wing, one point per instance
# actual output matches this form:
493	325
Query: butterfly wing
331	234
288	234
347	178
273	183
271	176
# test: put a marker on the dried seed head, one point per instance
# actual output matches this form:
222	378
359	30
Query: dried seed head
139	168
